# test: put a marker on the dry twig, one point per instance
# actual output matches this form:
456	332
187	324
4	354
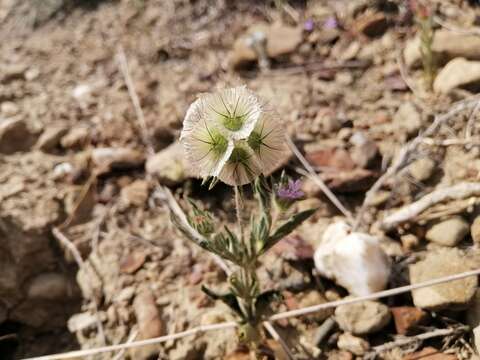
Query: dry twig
405	154
455	192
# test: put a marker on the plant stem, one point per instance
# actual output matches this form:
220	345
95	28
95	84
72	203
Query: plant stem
238	210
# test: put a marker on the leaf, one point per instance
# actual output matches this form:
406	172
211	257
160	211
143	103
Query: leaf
290	225
228	298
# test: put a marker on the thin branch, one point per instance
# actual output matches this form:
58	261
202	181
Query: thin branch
130	339
81	265
455	192
315	178
404	156
276	336
284	315
374	296
139	343
122	59
428	335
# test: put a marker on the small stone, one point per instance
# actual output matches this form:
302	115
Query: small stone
452	295
132	262
9	72
293	248
335	158
149	324
9	109
340	355
379	198
364	150
314	297
429	353
371	24
76	137
32	74
81	321
446	44
50	138
356	345
449	232
409	241
407	318
108	159
126	294
475	230
353	260
362	318
168	165
408	118
14	136
422	169
49	286
328	123
135	194
458	73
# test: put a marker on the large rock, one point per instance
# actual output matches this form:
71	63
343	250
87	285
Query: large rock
448	232
458	73
453	295
447	44
362	318
355	261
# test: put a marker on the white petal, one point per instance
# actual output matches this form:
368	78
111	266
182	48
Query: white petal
241	173
273	151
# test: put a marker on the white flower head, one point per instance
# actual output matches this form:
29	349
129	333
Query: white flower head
267	140
228	135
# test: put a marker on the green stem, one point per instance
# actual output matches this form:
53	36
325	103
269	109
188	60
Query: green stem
238	210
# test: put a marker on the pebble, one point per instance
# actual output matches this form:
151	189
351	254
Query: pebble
135	194
81	321
149	324
409	241
335	158
49	286
132	261
14	136
9	108
452	295
362	318
408	118
446	43
355	261
364	150
406	318
448	232
168	165
314	297
422	169
108	159
279	40
50	138
371	24
354	344
76	137
458	73
475	230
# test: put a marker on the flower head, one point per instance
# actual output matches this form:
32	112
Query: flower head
229	135
291	191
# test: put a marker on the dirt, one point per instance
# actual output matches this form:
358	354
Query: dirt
72	155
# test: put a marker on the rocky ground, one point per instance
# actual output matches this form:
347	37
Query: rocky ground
345	76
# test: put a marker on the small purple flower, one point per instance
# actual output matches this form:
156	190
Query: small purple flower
330	23
309	25
291	191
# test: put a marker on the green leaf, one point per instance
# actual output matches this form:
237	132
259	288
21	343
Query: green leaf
285	229
228	298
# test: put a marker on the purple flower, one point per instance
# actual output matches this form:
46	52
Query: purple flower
309	25
291	191
330	23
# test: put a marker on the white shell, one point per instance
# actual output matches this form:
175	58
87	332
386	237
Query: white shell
355	261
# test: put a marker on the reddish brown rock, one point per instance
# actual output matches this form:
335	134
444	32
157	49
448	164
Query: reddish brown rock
407	317
294	248
132	262
332	158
